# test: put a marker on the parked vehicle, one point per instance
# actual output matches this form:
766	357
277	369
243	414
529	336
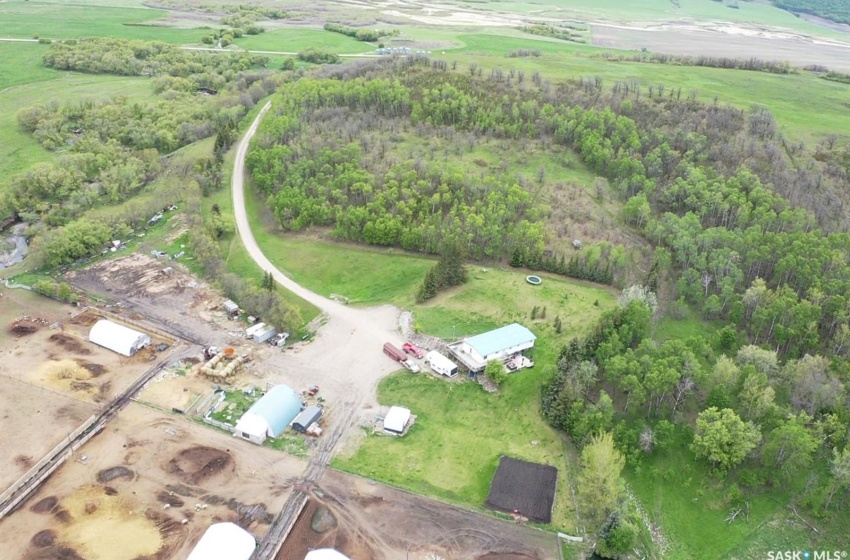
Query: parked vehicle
440	364
411	348
393	352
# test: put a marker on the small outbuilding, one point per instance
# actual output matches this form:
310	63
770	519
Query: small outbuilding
325	554
307	418
396	420
118	338
230	307
270	415
224	541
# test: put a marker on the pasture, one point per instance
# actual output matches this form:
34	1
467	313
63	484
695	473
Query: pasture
292	39
31	84
788	96
24	19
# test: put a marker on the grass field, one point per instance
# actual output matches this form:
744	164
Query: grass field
788	97
436	456
18	150
25	19
296	40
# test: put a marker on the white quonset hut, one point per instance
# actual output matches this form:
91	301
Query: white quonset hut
224	541
118	338
325	554
396	419
475	351
270	415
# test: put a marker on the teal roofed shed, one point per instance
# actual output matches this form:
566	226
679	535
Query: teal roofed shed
270	415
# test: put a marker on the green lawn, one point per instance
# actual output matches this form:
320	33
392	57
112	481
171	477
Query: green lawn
296	40
788	97
362	274
436	456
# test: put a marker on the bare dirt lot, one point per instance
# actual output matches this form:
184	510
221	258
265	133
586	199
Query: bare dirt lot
160	290
141	478
732	41
372	522
61	358
34	421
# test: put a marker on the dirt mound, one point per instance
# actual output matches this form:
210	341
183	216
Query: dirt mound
170	499
96	370
23	461
181	490
22	329
45	505
115	472
198	464
52	553
323	520
506	556
43	538
69	343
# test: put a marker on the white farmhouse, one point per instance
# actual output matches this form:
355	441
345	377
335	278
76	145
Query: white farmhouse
475	351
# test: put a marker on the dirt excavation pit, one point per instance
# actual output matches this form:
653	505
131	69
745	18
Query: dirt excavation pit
98	526
196	465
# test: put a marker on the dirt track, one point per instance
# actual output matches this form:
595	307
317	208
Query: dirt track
355	334
374	522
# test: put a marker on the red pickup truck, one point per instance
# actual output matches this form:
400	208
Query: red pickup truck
411	348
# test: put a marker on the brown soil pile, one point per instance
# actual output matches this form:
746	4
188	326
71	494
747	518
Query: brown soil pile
22	329
170	499
198	464
69	343
43	538
505	556
96	370
45	505
115	472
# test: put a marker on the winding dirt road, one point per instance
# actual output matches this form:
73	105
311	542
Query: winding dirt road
347	351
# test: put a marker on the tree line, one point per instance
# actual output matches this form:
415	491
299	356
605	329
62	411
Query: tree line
107	55
753	64
369	35
835	10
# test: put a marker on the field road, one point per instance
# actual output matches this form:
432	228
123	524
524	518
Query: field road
349	344
352	338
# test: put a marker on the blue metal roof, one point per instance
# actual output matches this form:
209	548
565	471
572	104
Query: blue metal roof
279	407
500	339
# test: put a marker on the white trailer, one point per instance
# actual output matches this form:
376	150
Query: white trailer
440	364
264	334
